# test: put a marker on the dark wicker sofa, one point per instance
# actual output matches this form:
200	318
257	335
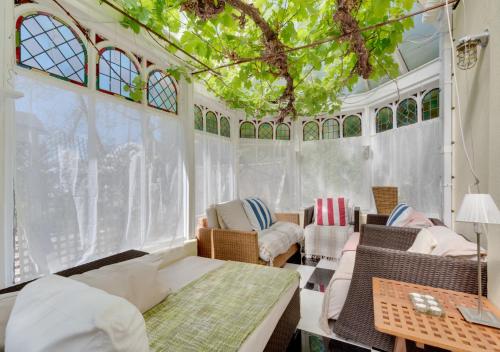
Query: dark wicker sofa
382	253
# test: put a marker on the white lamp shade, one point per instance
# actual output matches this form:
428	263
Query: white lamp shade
478	208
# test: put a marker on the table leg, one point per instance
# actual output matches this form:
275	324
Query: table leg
399	345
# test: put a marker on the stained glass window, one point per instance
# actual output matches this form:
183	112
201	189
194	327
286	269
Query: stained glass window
406	114
47	44
162	93
247	130
115	72
352	126
198	118
265	131
225	127
430	105
311	131
383	121
331	129
211	123
283	132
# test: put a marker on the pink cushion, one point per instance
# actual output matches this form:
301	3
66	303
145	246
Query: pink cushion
417	219
331	211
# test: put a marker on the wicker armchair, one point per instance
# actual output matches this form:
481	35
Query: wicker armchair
241	246
382	253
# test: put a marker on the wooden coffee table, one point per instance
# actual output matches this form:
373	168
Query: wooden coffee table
394	315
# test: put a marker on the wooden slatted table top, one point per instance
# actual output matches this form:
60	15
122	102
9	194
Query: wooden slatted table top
395	315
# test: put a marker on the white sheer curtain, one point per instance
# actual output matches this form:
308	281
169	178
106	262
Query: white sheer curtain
336	167
95	175
268	169
215	176
411	158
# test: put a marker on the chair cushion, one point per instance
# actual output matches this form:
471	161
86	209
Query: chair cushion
331	211
7	301
424	242
451	244
55	313
277	239
212	220
258	213
232	216
399	215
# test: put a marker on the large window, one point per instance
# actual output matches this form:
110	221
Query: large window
225	127
116	72
352	126
383	120
311	131
265	131
45	43
247	130
211	123
430	105
331	129
283	132
162	93
406	114
198	118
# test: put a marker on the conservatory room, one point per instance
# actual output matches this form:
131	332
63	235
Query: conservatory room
249	175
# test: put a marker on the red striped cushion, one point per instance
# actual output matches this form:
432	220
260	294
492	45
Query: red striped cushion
331	211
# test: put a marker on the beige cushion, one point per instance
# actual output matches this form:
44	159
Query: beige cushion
135	280
232	216
7	301
212	221
55	313
451	244
424	242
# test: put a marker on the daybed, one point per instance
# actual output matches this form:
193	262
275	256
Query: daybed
242	243
382	252
272	334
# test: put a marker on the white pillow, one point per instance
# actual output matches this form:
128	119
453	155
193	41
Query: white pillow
399	215
451	244
135	280
258	213
232	216
424	242
57	314
7	301
212	221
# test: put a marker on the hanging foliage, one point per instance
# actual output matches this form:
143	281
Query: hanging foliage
273	79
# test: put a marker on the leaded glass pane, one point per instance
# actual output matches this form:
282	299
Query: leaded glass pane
211	123
283	132
47	44
430	105
225	127
116	71
311	131
247	130
265	131
406	113
352	126
384	119
331	129
162	93
198	118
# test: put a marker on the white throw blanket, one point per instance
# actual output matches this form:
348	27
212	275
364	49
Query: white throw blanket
278	238
325	241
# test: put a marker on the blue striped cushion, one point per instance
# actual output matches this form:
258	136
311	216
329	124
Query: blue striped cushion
258	213
399	214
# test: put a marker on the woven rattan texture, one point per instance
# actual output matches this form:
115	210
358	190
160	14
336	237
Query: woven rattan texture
386	199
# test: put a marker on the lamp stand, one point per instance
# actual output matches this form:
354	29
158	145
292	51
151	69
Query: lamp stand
478	315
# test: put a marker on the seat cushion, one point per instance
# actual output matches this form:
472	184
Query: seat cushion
55	313
277	239
325	241
232	216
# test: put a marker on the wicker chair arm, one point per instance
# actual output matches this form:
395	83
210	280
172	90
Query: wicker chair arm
235	245
400	238
308	216
289	217
377	219
356	319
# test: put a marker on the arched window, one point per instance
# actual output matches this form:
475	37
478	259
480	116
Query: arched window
383	121
406	114
352	126
211	123
162	93
265	131
198	118
47	44
225	127
430	105
331	129
311	131
115	72
283	132
247	130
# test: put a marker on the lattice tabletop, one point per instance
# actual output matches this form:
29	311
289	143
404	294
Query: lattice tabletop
394	315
